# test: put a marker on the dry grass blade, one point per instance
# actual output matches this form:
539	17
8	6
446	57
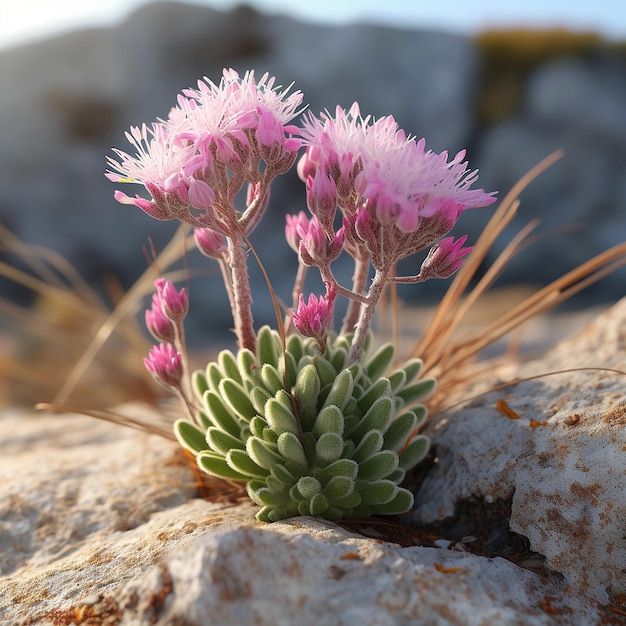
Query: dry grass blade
143	425
446	319
125	307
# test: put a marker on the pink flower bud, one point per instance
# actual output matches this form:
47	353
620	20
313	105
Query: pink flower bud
322	198
165	364
201	195
160	327
210	242
444	258
294	222
174	304
313	318
307	165
315	247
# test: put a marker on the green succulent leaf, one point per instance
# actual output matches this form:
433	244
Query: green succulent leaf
308	486
325	370
272	380
246	362
412	368
259	396
237	398
401	503
204	420
318	504
380	361
378	466
397	380
306	392
421	412
340	390
377	492
222	442
268	351
258	425
189	436
328	448
240	461
290	447
377	418
414	452
295	346
229	366
261	452
347	468
399	431
216	465
220	414
380	389
282	474
329	420
279	418
199	383
371	444
416	391
214	376
338	487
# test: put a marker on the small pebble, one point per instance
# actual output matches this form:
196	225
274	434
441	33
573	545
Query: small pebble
442	543
469	539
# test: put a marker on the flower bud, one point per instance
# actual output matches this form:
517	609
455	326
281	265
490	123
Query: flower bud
174	304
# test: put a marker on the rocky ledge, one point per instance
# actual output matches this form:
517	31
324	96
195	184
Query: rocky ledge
105	525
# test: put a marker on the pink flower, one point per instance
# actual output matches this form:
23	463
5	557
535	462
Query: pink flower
165	364
316	248
159	325
314	318
296	224
404	197
157	165
210	242
445	258
174	304
212	141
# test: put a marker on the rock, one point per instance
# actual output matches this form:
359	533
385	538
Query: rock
580	107
561	463
103	523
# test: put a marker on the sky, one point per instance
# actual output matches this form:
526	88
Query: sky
22	21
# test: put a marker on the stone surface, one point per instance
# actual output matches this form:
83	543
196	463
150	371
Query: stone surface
561	461
104	525
68	100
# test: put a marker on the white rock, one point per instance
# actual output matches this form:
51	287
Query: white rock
566	475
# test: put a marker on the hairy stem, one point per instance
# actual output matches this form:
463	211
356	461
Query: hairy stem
298	286
242	296
366	314
359	282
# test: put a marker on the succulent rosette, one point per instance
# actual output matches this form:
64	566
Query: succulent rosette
310	433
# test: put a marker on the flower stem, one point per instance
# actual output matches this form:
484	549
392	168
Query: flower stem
242	296
359	281
366	314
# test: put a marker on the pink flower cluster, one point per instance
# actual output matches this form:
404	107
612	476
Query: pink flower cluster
218	138
397	197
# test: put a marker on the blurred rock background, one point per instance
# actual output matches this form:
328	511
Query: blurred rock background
509	97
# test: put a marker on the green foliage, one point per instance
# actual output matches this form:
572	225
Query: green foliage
317	436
